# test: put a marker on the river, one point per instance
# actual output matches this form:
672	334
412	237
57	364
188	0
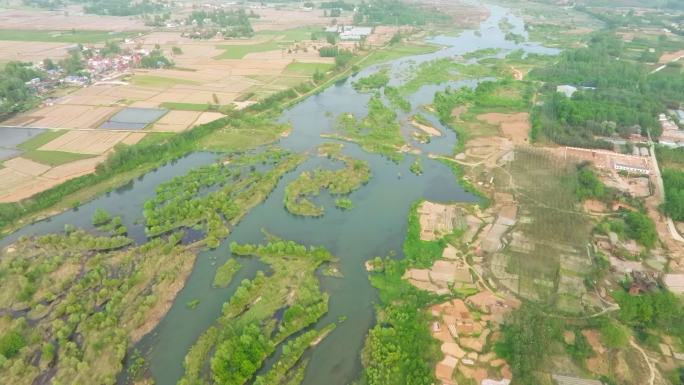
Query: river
375	226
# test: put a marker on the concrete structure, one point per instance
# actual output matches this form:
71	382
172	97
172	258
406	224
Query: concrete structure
566	380
674	283
631	169
567	90
680	116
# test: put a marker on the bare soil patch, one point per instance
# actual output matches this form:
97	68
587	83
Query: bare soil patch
86	142
426	129
515	127
670	56
176	121
26	166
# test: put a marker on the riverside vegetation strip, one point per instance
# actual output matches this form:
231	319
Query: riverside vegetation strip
81	299
248	331
339	182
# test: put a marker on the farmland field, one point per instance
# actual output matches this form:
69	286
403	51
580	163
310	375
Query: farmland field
82	37
54	158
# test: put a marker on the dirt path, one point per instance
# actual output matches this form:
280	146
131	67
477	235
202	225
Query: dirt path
651	379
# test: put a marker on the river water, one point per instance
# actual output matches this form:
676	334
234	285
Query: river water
374	227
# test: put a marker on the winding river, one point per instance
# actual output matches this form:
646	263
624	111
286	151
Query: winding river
376	225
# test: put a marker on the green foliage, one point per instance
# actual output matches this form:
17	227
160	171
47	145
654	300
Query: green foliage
343	58
613	335
673	181
589	185
641	228
329	51
622	95
239	356
192	305
41	139
231	23
393	12
11	343
16	96
580	349
156	59
417	166
654	310
224	274
121	7
344	203
418	252
182	201
101	217
396	99
339	182
372	82
527	343
379	132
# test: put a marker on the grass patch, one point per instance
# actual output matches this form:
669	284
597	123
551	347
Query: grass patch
379	132
240	51
54	158
340	182
200	107
400	50
308	69
294	34
243	135
82	37
41	140
159	81
225	273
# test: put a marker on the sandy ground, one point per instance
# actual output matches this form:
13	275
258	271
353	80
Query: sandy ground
515	127
602	159
64	116
86	142
20	181
26	166
72	19
670	56
426	129
436	220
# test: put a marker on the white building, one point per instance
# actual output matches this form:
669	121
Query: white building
567	90
631	169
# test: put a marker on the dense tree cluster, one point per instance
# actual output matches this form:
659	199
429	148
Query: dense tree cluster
231	23
15	96
528	337
121	7
393	12
654	310
674	193
615	96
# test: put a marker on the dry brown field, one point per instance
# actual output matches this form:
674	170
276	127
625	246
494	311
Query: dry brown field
30	51
515	127
73	18
86	142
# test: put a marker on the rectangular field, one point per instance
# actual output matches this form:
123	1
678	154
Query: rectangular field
85	142
54	158
82	37
240	51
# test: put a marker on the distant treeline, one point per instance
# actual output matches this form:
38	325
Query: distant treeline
16	96
395	12
120	7
615	95
234	23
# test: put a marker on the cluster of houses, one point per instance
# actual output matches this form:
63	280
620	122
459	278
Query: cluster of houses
97	67
350	32
672	136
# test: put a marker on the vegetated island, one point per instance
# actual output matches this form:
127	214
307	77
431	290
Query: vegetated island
339	182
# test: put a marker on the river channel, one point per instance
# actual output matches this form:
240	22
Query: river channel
375	226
